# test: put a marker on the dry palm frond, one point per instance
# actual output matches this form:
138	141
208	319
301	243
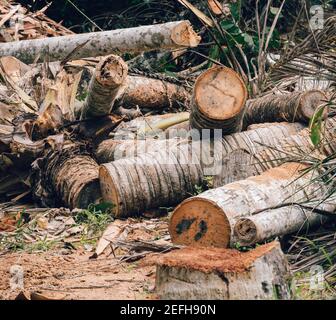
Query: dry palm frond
16	23
318	248
312	58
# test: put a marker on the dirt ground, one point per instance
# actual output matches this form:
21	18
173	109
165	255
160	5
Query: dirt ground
74	276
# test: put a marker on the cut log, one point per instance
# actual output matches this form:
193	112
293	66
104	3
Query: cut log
209	218
245	163
151	180
111	149
277	222
171	35
125	144
224	274
291	107
106	85
68	178
150	93
218	100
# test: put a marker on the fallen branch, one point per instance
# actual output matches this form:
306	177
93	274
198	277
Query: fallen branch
171	35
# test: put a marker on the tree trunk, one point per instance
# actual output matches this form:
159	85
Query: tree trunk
135	185
151	180
171	35
224	274
291	107
245	162
111	149
209	218
68	178
125	143
218	101
277	222
150	93
106	85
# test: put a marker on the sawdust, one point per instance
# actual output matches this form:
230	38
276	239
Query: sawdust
75	276
213	259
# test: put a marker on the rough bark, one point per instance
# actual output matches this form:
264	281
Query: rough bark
153	93
106	85
151	180
291	107
112	149
277	222
224	274
218	100
246	162
171	35
209	218
68	177
148	125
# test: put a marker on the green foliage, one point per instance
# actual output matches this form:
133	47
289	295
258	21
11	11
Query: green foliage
95	218
234	39
316	125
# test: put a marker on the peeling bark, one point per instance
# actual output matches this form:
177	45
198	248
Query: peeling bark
224	274
171	35
154	94
151	180
107	83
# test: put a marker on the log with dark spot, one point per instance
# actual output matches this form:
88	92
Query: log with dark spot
216	211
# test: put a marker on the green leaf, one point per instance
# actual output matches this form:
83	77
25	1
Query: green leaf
274	10
315	125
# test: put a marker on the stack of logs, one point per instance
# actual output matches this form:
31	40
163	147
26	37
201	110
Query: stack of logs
72	153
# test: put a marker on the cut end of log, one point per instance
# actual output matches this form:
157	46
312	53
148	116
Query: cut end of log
184	35
199	222
310	101
109	191
224	274
111	71
246	231
220	93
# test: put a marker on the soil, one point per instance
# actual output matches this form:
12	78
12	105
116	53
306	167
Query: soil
72	275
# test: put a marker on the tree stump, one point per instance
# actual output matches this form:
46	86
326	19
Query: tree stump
224	274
